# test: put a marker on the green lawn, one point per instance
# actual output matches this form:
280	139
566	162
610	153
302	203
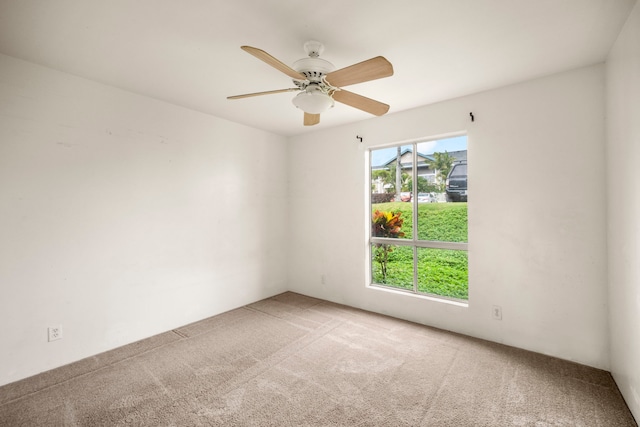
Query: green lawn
440	271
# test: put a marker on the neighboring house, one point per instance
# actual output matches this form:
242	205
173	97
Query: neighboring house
406	161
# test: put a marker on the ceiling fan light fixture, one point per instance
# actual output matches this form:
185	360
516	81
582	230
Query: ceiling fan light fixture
313	101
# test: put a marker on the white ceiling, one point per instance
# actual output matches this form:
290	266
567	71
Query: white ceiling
188	52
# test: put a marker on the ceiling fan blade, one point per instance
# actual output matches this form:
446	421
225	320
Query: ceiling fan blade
269	92
264	56
360	102
371	69
311	119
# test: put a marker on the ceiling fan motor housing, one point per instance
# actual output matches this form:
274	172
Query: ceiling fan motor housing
313	68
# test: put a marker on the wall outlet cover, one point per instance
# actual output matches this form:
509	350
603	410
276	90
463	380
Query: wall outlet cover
55	333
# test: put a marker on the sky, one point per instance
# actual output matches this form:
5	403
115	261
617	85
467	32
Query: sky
383	155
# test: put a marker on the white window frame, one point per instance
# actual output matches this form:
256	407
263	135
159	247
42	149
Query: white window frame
414	241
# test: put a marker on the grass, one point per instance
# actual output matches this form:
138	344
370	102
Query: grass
440	271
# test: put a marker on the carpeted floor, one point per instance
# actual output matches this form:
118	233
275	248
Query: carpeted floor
291	360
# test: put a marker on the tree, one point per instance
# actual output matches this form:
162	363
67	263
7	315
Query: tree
382	175
442	165
388	178
423	185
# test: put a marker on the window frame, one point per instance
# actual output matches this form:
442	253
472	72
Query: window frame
413	242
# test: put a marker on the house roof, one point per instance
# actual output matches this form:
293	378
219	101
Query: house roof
426	158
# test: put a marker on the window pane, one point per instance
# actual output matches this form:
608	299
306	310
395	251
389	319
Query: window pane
443	222
443	165
391	193
443	272
392	265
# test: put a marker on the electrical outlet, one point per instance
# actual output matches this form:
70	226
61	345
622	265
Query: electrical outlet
496	312
55	333
323	279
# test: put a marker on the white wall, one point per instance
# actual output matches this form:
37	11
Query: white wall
122	217
537	243
623	166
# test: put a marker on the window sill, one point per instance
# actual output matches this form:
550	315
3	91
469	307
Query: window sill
420	296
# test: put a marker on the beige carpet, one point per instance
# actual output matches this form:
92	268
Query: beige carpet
298	361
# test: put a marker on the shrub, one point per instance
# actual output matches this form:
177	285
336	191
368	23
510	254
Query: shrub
385	224
382	197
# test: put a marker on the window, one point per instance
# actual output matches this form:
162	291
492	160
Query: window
418	239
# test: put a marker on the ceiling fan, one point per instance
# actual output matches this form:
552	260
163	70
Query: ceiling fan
319	85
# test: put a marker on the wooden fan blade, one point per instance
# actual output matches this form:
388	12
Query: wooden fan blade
360	102
269	92
264	56
371	69
311	119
